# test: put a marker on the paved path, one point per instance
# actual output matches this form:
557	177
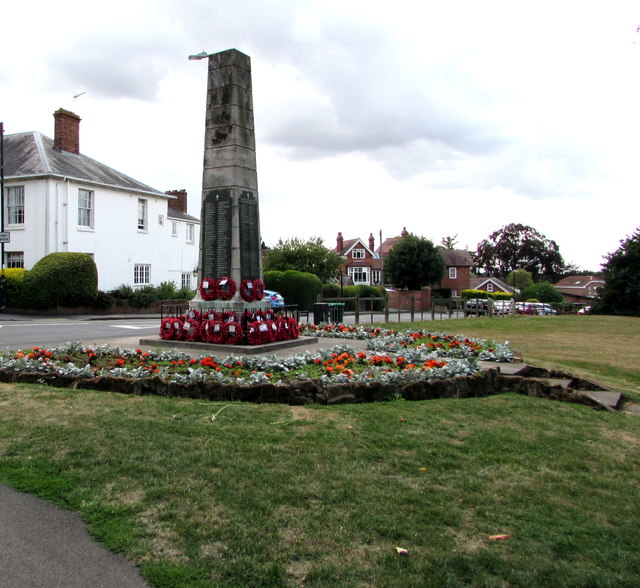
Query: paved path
42	546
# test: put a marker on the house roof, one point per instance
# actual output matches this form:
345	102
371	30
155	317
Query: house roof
32	155
475	283
176	214
456	257
578	282
349	244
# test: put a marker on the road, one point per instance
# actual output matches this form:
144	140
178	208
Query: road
25	332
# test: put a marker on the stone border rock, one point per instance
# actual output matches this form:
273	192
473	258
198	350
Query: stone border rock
529	381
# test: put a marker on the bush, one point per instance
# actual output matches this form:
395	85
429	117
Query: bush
103	301
330	290
60	279
273	280
143	297
301	288
544	292
364	291
167	291
483	295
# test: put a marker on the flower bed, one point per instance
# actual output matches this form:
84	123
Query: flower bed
411	359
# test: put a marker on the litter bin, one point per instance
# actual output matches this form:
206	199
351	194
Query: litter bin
336	312
320	313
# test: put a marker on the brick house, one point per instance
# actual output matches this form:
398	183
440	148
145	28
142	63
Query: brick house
457	274
362	263
582	289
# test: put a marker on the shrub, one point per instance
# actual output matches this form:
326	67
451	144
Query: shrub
330	290
143	297
64	279
273	280
301	288
167	291
103	301
544	292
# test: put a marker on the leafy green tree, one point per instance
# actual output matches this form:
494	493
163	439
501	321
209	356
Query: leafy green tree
519	279
544	292
517	246
621	292
449	242
414	262
304	256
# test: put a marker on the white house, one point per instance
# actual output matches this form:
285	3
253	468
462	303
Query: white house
57	199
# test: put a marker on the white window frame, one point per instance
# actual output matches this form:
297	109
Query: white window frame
453	273
489	287
141	274
190	232
174	228
142	214
85	208
357	254
355	273
15	205
186	280
14	259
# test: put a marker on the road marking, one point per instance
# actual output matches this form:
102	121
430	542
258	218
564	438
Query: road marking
134	327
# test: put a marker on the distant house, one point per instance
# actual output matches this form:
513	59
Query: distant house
581	289
362	263
457	273
57	199
489	285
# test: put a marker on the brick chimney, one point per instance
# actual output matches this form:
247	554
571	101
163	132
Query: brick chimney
371	241
340	243
67	131
180	203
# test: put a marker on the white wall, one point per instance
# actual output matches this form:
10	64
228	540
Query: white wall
51	225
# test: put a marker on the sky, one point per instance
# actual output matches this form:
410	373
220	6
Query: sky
449	119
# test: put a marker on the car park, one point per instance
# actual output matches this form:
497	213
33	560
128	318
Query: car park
275	298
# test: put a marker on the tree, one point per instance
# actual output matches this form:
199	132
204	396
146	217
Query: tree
621	292
517	246
544	292
304	256
414	262
519	279
449	242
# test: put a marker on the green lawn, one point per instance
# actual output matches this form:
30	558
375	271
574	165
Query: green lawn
202	494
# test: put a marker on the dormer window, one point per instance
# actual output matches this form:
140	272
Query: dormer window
358	254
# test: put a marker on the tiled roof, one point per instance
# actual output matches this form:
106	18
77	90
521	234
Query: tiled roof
32	155
456	257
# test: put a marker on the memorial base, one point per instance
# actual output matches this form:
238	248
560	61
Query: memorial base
193	347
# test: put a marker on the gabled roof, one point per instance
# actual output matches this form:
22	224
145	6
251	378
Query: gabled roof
350	244
456	257
477	283
32	155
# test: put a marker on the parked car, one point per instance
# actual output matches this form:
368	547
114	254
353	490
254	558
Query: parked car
534	308
274	298
584	310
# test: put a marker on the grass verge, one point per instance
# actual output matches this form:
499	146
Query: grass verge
202	494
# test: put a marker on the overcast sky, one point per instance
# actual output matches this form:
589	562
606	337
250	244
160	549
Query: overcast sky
447	118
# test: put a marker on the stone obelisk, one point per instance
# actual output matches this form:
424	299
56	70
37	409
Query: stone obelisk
230	222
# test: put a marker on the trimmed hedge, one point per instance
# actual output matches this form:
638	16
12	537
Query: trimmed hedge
484	295
301	288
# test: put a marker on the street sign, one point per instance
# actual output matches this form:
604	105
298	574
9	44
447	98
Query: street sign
5	237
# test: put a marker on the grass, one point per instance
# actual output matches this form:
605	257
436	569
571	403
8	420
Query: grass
202	494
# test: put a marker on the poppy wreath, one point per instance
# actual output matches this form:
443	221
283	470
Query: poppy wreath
191	330
226	288
254	315
264	332
254	336
282	325
294	329
231	333
208	289
247	291
258	289
227	316
211	331
193	315
171	328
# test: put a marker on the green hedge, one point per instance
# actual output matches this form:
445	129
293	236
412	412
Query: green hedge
484	295
301	288
361	291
